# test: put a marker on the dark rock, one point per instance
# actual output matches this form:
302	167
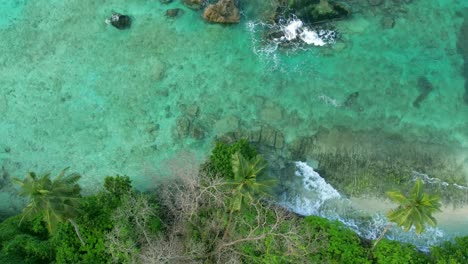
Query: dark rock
7	149
174	12
224	11
4	178
425	88
268	136
315	11
119	21
279	140
183	126
194	4
192	110
351	99
165	1
255	135
388	22
275	34
197	132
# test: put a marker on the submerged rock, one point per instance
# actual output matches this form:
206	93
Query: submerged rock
174	12
166	1
119	21
271	112
351	99
425	87
194	4
314	11
182	127
388	22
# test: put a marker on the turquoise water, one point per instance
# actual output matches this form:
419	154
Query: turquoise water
77	92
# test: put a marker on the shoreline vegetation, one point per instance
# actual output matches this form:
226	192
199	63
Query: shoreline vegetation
220	212
226	210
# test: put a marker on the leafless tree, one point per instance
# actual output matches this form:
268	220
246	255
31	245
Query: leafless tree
198	203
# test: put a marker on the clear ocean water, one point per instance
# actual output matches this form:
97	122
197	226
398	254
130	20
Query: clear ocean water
77	92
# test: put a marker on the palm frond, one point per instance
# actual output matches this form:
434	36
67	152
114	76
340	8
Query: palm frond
398	197
415	210
56	199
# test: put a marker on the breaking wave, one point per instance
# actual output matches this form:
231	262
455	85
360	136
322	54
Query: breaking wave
309	194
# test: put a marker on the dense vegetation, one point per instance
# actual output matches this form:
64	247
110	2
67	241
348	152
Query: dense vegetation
218	214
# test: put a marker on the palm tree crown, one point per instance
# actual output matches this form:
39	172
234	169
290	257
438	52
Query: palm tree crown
416	209
57	200
245	178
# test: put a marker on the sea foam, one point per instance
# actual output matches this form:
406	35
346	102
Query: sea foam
310	194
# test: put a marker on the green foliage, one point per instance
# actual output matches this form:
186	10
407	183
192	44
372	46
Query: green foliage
56	200
414	210
26	243
245	184
455	252
118	185
343	245
393	252
220	159
97	222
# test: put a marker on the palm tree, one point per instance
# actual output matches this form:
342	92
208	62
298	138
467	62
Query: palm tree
245	179
57	200
245	184
415	210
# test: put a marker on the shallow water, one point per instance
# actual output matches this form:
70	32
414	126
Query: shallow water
76	92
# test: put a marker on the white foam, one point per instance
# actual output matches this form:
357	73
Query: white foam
432	180
295	29
311	37
315	192
292	29
312	195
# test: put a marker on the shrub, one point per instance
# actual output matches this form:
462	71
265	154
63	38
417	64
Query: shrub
393	252
344	246
451	252
220	159
25	243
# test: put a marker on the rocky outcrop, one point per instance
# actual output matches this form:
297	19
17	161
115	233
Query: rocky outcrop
188	124
119	21
264	136
224	11
314	11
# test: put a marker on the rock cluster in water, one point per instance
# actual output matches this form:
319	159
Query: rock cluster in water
314	11
224	11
